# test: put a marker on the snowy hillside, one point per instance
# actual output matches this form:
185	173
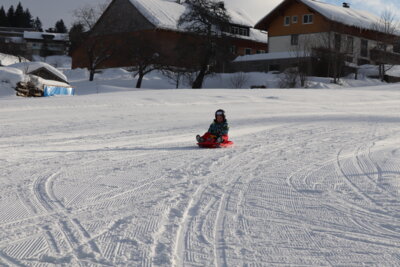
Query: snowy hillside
117	180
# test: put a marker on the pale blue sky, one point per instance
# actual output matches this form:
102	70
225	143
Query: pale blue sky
52	10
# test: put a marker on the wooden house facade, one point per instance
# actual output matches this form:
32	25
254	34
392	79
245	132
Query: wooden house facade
307	26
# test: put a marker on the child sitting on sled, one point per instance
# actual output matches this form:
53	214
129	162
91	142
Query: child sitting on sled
218	131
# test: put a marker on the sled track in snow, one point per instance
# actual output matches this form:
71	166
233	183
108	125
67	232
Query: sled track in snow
210	212
361	177
298	189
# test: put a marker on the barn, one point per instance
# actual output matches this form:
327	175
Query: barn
158	21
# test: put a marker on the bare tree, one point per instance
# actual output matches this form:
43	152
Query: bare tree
144	55
301	51
174	74
289	78
387	29
97	52
207	20
239	79
331	53
88	14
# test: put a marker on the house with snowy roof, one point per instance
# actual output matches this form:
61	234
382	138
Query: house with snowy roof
300	24
158	19
31	42
54	43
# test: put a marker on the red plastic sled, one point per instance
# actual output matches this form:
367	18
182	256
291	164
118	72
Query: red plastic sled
213	144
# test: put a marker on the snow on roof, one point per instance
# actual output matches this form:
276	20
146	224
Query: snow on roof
348	16
30	67
258	35
162	14
240	17
41	35
43	82
270	56
165	14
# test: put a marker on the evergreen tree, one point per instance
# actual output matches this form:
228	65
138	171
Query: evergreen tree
37	24
76	36
19	16
60	27
3	18
28	21
11	17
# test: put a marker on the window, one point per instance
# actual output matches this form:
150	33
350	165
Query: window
364	48
294	39
247	51
243	31
240	31
338	42
287	21
295	19
382	46
260	51
233	49
234	30
308	19
350	45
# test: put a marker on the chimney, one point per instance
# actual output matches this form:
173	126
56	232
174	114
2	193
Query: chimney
346	5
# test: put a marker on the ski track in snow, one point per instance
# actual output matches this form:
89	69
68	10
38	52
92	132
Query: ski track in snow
116	180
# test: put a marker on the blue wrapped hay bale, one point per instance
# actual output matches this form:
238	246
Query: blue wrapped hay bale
58	90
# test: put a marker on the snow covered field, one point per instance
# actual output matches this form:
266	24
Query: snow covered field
115	179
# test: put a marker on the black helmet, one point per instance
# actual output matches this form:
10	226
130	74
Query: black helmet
220	112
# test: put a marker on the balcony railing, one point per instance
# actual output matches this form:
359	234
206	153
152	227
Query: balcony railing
385	57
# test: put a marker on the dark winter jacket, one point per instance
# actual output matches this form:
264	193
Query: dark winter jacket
219	129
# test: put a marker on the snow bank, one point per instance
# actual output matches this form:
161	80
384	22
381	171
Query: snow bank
74	75
394	71
116	80
59	62
6	59
373	70
11	75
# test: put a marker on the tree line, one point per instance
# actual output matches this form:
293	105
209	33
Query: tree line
20	17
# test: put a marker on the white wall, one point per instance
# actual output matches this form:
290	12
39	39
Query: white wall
283	43
279	44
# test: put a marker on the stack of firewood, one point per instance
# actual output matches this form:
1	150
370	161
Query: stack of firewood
28	89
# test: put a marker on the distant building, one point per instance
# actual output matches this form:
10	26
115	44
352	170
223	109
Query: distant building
158	20
31	42
300	24
57	43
